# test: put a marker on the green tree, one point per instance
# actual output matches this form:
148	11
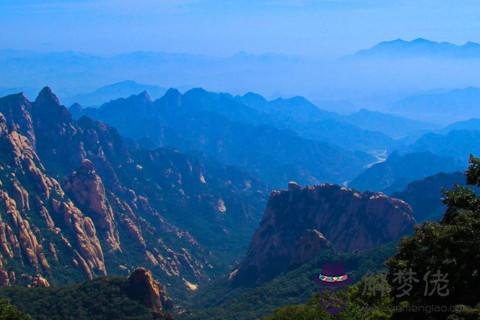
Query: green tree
442	260
369	299
9	312
321	307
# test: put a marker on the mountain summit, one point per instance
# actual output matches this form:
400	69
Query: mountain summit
421	48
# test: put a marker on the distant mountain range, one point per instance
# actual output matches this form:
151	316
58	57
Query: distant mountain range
262	140
114	91
425	195
466	125
75	73
458	144
391	125
421	48
443	106
297	108
339	85
398	170
297	139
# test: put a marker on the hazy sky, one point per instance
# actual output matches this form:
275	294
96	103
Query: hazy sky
309	28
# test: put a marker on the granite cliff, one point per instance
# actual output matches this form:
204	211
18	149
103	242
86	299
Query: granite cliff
301	222
78	201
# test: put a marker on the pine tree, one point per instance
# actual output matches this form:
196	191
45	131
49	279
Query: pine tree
444	260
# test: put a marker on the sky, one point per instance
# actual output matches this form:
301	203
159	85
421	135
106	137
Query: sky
222	28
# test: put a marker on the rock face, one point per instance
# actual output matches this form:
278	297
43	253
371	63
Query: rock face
86	188
76	202
144	288
39	281
300	223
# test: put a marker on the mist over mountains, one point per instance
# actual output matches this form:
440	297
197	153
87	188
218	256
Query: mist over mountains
292	139
441	106
379	78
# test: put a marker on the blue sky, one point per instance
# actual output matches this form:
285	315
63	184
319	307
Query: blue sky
307	28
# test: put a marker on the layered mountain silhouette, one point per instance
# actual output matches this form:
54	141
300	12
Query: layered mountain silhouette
114	91
75	73
399	169
441	106
78	201
391	125
458	144
277	140
425	195
421	48
468	125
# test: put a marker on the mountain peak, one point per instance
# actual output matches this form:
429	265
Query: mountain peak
254	96
145	288
172	96
421	40
46	95
144	95
421	47
172	92
196	92
47	107
301	222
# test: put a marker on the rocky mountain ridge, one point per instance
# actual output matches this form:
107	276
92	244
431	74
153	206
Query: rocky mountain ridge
301	222
78	201
268	139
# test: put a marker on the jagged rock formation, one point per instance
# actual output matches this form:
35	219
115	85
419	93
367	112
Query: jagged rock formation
77	201
300	223
86	188
39	281
143	287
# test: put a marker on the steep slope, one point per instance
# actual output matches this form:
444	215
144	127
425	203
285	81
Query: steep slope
399	170
301	223
231	133
425	195
77	201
